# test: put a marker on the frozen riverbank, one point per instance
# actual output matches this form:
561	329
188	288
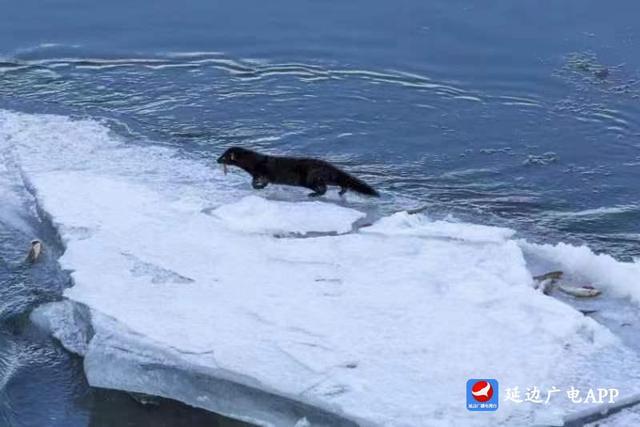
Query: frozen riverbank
184	272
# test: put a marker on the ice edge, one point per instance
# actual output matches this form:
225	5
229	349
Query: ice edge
120	359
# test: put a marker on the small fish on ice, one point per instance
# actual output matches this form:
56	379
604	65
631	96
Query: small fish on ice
34	251
546	282
580	291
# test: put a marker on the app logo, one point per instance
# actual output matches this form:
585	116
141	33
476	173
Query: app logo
482	395
482	391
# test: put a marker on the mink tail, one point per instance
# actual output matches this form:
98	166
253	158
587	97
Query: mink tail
352	183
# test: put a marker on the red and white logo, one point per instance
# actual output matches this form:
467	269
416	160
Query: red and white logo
482	391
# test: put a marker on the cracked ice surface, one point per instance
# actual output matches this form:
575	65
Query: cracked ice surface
382	326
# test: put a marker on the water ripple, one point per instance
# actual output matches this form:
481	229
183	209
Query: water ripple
244	70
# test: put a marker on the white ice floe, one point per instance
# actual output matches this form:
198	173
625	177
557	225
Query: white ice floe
625	418
68	322
254	214
192	297
403	223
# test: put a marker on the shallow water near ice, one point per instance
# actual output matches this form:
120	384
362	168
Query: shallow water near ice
495	115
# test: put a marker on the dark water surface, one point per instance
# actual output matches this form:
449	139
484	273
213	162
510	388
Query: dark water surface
521	114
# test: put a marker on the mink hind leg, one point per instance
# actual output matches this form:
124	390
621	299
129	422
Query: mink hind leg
318	188
316	181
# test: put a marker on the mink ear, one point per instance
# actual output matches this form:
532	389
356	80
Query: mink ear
232	156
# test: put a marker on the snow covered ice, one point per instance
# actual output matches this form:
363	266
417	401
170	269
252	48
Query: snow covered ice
255	214
202	290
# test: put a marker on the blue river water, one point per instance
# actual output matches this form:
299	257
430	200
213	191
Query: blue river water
520	114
